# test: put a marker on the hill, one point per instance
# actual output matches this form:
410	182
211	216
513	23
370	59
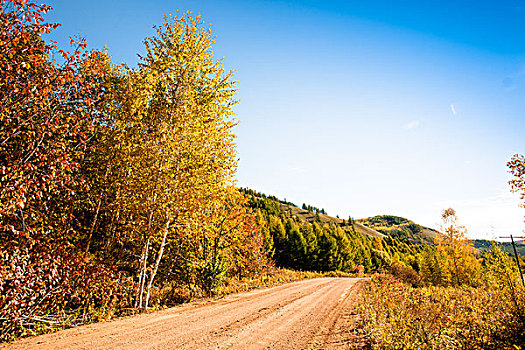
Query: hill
483	245
309	239
400	228
311	217
406	230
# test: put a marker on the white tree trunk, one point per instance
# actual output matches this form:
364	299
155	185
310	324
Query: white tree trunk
157	262
142	278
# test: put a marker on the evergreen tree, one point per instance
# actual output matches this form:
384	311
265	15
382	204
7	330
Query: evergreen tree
327	252
269	245
278	233
311	246
296	245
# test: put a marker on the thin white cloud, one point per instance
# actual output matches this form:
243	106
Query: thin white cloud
297	169
412	125
453	109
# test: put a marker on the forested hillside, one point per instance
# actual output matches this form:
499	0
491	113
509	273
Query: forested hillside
485	246
401	228
117	194
307	240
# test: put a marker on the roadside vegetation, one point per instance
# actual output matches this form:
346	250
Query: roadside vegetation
117	184
458	300
117	196
459	297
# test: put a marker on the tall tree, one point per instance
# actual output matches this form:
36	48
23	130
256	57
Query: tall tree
461	265
172	130
47	111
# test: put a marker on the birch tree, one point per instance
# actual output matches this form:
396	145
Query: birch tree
173	122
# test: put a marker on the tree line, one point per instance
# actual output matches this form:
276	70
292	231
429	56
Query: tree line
116	183
295	243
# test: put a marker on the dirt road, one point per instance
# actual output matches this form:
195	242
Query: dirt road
310	314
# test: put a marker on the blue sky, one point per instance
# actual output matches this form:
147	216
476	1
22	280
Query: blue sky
361	108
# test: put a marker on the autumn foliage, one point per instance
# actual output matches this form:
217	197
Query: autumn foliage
517	169
395	315
116	184
46	119
454	302
47	114
117	193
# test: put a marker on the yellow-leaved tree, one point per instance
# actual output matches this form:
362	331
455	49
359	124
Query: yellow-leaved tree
173	157
461	265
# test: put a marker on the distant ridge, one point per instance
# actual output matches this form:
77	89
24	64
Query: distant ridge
401	228
375	226
309	216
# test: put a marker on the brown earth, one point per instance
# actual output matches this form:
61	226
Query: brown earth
311	217
310	314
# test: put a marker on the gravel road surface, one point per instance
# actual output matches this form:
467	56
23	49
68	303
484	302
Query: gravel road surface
309	314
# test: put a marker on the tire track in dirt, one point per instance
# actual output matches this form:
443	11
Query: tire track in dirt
267	328
310	314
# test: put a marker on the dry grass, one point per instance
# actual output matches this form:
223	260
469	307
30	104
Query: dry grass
397	316
274	276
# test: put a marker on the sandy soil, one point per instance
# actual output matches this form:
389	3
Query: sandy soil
310	314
